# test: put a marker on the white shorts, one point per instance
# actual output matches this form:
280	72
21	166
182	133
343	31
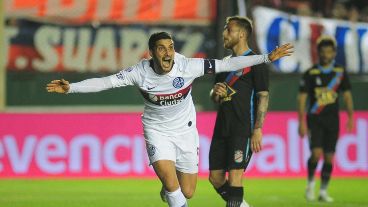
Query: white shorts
182	149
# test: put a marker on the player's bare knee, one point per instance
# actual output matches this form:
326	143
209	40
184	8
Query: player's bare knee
316	155
235	177
188	192
315	158
171	186
216	181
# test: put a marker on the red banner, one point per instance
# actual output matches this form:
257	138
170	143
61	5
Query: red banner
112	145
122	11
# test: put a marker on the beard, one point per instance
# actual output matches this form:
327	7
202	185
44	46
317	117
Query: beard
229	44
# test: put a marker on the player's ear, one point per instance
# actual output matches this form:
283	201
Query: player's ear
150	53
243	34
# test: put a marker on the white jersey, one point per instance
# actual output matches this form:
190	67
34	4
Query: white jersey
169	108
168	101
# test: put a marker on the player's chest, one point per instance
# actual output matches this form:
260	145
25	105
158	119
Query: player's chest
324	80
165	84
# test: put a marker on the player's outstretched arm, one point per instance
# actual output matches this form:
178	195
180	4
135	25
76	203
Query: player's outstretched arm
86	86
240	62
58	86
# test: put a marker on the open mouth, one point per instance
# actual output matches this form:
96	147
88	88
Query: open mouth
166	62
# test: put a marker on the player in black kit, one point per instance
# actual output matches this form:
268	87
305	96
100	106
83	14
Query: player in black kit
321	86
243	101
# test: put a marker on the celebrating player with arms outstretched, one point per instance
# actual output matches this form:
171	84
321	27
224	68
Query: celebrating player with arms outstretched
169	119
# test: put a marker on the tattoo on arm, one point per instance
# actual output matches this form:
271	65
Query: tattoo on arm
262	106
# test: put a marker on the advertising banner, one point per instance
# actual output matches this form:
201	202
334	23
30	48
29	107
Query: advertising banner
112	145
274	28
122	11
45	47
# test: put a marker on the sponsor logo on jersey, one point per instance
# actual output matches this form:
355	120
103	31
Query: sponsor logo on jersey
325	96
167	99
229	93
178	82
238	156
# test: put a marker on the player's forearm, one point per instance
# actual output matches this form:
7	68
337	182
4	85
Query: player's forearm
262	107
302	98
240	62
348	99
90	85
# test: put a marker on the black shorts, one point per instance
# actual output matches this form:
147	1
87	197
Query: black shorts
230	146
323	132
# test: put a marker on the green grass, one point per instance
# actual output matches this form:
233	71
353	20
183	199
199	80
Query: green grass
145	192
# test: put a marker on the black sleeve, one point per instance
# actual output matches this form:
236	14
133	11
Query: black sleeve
304	83
260	77
345	82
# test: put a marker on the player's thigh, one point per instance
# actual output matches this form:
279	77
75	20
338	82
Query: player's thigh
187	152
331	135
165	170
159	147
315	133
188	183
217	154
239	151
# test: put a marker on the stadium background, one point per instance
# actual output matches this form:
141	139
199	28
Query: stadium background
99	136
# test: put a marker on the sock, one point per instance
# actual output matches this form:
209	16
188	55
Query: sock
223	191
235	196
311	169
325	175
176	198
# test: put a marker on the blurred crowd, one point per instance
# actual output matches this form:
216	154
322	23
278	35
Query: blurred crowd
350	10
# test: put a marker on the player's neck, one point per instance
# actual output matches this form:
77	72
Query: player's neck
326	65
240	49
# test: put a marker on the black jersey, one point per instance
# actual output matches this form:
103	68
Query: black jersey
323	86
242	87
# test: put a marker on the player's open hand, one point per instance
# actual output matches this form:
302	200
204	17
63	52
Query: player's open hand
58	86
279	52
256	141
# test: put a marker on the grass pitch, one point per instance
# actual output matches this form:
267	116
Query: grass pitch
268	192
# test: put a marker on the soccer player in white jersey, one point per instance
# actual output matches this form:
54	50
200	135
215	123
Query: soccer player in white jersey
169	119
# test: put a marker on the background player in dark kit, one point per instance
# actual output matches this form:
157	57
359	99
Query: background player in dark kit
320	86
